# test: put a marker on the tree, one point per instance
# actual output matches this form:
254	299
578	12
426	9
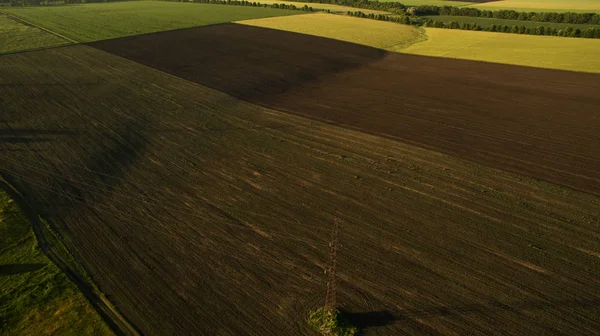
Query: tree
567	31
539	30
588	33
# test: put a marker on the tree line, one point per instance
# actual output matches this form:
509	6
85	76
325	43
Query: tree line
539	30
393	7
381	17
251	4
574	18
19	3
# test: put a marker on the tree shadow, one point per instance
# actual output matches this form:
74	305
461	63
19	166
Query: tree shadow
13	269
498	306
365	320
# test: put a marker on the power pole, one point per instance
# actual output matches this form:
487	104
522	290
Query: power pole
330	298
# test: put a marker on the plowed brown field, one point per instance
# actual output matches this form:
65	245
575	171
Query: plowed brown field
538	122
198	213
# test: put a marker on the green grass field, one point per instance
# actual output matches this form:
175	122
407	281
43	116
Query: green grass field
537	51
543	5
486	22
378	34
15	36
92	22
36	297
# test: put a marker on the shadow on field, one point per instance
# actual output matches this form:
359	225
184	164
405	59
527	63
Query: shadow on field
244	61
13	269
77	169
122	148
365	320
497	306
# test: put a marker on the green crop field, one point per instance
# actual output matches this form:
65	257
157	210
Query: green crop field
486	22
378	34
92	22
543	5
538	51
37	298
16	36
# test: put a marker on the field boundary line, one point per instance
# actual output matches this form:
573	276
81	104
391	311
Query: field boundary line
36	49
16	18
109	314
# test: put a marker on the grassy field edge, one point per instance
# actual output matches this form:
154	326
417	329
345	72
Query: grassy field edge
49	242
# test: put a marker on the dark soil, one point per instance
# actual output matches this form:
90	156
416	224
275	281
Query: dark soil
538	122
200	214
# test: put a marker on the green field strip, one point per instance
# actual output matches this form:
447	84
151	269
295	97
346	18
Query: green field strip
92	22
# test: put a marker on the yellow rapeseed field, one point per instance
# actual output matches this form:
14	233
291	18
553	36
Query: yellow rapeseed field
553	52
378	34
543	5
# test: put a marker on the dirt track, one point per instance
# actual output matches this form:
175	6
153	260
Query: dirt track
538	122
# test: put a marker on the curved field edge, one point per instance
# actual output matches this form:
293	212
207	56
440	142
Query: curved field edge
219	205
37	298
551	52
99	21
377	34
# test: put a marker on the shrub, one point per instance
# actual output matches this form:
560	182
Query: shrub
330	323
